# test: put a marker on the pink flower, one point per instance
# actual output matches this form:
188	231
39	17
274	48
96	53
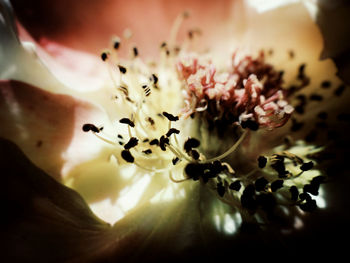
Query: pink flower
233	126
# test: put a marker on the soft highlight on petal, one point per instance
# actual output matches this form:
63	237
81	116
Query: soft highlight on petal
47	126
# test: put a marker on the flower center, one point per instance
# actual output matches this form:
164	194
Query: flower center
193	120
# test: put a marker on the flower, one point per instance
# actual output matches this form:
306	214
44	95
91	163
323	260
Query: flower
185	153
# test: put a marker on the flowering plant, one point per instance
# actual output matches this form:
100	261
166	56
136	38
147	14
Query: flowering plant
195	148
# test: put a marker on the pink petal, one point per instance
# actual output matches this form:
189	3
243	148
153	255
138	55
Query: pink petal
47	126
81	28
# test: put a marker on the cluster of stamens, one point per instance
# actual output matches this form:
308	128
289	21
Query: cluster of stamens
248	95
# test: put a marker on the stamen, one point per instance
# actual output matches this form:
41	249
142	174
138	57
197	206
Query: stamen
148	151
90	127
126	155
122	69
172	131
104	139
127	121
176	26
116	43
176	180
229	151
104	55
248	95
170	117
135	51
131	143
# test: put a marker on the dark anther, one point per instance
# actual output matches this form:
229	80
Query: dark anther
163	45
150	120
235	185
194	154
194	171
291	54
155	78
316	97
148	151
311	136
275	185
304	196
136	52
248	198
322	115
250	124
131	143
249	190
129	99
190	34
116	44
314	185
126	155
171	131
163	141
120	136
122	69
191	143
318	180
146	140
217	167
279	167
299	109
104	56
326	84
220	189
296	126
260	184
301	71
308	206
339	91
175	160
154	142
90	127
307	166
280	74
127	121
147	91
39	143
170	117
301	98
294	193
311	188
262	161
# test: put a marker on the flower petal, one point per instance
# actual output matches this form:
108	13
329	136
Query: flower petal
334	23
47	126
41	219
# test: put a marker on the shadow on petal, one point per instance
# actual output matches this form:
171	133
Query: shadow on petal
44	124
43	221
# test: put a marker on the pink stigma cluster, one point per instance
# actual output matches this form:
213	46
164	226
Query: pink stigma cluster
250	91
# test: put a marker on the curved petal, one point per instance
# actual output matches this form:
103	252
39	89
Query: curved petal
41	219
145	225
44	221
47	126
83	32
334	23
